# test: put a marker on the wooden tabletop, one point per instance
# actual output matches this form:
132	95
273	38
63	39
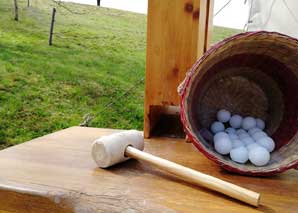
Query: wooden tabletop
56	173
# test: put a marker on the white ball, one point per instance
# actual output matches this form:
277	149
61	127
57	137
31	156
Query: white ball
260	123
259	156
237	143
219	135
247	140
217	127
243	135
267	143
230	130
223	115
252	146
248	123
233	136
239	154
240	131
254	130
258	135
236	121
223	146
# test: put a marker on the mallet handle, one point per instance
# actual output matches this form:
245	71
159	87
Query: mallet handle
196	177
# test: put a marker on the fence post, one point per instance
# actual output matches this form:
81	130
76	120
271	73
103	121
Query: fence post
16	10
28	3
52	26
98	3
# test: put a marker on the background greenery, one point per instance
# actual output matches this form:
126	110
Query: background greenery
98	54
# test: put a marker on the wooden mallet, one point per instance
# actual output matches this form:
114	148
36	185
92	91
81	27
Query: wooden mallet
112	149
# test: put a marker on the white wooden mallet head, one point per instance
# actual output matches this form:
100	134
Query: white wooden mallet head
110	150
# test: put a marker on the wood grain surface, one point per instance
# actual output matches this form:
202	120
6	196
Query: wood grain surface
178	32
56	173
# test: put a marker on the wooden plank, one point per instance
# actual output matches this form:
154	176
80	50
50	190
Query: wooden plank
56	173
176	38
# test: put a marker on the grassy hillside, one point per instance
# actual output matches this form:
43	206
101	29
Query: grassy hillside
97	55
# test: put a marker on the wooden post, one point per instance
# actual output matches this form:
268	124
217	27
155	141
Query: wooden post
16	10
28	3
177	36
52	26
98	3
209	24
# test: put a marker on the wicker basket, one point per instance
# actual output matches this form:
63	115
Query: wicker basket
254	73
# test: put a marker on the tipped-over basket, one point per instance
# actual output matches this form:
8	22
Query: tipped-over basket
251	74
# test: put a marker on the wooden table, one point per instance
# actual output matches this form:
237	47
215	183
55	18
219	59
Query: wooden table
56	173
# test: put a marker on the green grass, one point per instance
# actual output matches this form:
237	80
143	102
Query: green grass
95	58
220	33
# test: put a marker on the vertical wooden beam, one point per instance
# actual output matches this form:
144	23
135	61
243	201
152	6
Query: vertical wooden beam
176	38
209	24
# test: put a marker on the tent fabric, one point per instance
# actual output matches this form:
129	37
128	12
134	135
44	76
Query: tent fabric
274	15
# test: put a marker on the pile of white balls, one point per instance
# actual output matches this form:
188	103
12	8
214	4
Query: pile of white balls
244	138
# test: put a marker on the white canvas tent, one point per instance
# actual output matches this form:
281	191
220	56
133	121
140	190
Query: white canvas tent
274	15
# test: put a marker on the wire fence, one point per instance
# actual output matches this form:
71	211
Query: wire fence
65	9
39	10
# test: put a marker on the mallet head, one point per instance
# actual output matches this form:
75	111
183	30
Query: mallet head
110	150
